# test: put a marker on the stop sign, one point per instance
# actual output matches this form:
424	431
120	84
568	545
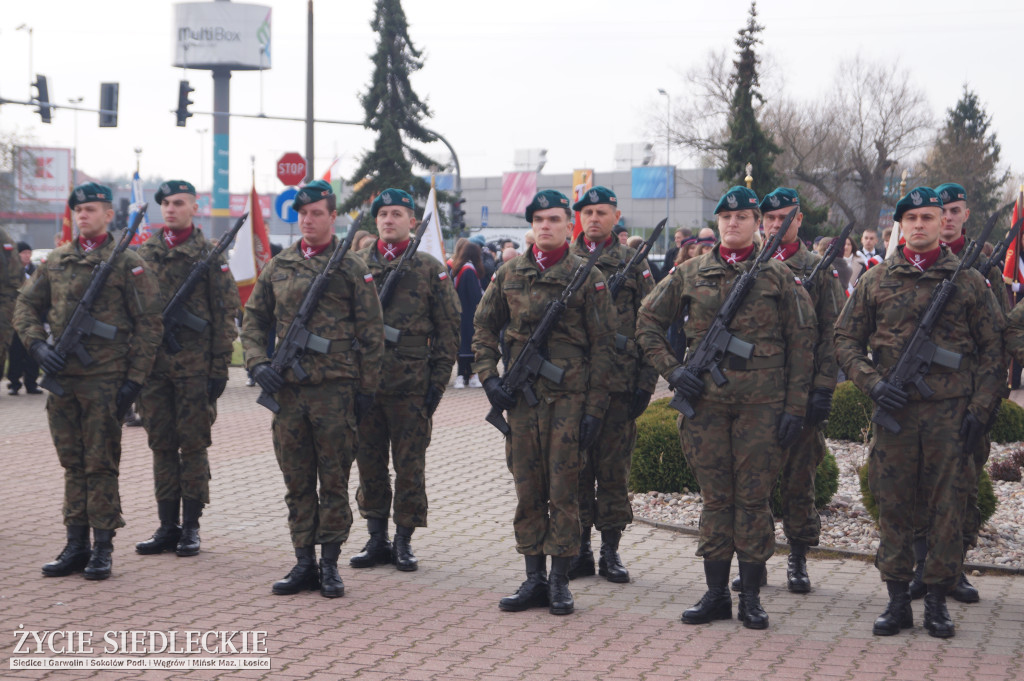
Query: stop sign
291	168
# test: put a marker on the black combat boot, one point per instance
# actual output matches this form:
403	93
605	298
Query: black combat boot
404	559
936	617
533	593
188	544
737	584
167	535
331	585
610	566
917	586
716	603
582	564
797	580
559	596
750	611
75	555
101	560
378	549
897	614
304	575
964	591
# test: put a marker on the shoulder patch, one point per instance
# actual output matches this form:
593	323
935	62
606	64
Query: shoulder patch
8	247
835	273
988	283
137	270
225	267
442	275
647	274
672	271
799	282
599	286
368	277
494	276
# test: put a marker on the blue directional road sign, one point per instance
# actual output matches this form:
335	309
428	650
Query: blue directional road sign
483	216
283	205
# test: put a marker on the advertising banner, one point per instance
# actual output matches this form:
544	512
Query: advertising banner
43	174
517	189
229	34
649	182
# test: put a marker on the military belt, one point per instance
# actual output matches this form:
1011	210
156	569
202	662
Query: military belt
405	341
734	363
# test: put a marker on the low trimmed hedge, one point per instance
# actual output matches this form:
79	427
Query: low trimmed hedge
987	501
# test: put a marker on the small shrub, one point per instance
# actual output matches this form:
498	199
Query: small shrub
826	482
1007	471
1009	426
851	413
987	501
1018	457
658	462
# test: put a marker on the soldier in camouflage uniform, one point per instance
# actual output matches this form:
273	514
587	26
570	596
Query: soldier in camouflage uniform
735	442
631	384
543	449
85	422
930	458
422	340
176	398
11	278
315	430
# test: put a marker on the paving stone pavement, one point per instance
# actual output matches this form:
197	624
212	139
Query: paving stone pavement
442	622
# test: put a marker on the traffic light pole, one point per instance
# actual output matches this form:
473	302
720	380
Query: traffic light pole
52	105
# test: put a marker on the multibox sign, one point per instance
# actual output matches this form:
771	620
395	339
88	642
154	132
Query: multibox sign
221	34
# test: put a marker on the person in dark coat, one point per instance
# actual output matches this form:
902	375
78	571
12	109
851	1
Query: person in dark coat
467	265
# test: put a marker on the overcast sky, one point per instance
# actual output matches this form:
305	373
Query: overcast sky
575	78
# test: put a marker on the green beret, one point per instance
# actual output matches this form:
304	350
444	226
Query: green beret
172	187
90	191
392	197
918	197
316	190
950	192
542	200
782	197
737	198
596	195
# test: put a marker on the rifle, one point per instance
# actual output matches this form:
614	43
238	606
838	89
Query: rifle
175	314
393	276
530	362
997	255
298	338
718	341
833	250
82	323
921	352
618	280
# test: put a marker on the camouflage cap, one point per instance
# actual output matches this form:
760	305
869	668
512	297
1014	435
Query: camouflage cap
316	190
595	196
172	187
547	198
392	197
737	198
950	192
918	197
90	191
781	197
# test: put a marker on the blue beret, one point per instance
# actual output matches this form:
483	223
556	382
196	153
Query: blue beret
918	197
951	191
90	191
479	240
392	197
311	193
782	197
542	200
172	187
596	195
737	198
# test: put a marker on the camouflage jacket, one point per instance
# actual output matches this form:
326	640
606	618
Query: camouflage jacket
777	317
11	278
884	311
828	298
214	300
130	301
1014	334
631	369
995	278
582	342
426	310
348	315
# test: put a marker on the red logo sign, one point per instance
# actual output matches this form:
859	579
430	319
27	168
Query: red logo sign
291	168
44	167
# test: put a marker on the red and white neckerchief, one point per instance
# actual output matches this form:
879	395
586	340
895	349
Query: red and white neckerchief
546	259
311	251
922	261
592	245
89	245
174	237
731	256
956	245
786	251
391	251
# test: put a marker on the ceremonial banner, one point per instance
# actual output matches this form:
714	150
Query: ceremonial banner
252	249
433	242
1013	270
517	190
582	180
65	227
136	205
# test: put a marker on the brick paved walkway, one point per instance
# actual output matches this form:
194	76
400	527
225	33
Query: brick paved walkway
442	622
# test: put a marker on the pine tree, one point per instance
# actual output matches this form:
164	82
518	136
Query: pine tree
748	142
394	112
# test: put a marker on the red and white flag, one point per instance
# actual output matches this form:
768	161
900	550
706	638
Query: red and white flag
252	248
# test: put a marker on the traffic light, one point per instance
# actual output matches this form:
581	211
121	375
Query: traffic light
458	215
183	113
44	109
121	214
108	103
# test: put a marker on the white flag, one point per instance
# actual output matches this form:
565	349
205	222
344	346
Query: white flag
432	242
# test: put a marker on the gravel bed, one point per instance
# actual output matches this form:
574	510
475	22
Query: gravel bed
846	524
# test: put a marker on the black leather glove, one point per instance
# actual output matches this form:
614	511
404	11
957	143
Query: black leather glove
364	403
433	399
47	358
126	394
789	429
819	406
269	380
215	388
971	431
590	428
889	397
686	384
637	405
499	398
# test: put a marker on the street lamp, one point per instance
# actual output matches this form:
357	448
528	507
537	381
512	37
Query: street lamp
668	161
74	143
202	150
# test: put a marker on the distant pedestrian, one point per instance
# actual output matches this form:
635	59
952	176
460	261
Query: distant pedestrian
466	266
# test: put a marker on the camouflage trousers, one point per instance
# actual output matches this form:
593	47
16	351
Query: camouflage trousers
922	465
543	455
733	450
315	438
972	514
87	436
800	519
607	463
399	424
176	415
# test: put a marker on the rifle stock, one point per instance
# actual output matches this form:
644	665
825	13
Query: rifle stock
618	280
